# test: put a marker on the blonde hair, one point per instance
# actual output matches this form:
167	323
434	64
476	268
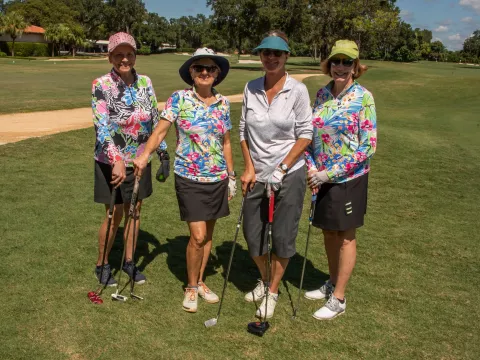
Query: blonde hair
358	69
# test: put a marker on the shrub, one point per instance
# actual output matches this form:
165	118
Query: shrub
2	54
26	49
186	50
144	50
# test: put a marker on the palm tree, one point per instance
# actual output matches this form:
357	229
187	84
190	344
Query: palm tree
13	24
57	34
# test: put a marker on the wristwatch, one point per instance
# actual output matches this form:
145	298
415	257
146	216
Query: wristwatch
232	173
284	167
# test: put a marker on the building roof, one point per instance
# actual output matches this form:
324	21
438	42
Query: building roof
32	29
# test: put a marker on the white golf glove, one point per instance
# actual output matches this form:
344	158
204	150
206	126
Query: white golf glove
316	179
232	187
274	182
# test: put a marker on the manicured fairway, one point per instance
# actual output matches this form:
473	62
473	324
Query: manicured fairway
413	294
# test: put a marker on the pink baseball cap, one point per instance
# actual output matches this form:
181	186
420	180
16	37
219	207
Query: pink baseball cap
119	39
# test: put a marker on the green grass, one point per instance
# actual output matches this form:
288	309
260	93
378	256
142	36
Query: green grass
413	294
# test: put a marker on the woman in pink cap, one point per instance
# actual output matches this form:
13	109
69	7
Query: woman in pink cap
124	114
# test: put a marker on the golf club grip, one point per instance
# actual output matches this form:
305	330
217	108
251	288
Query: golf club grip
113	197
133	202
312	207
271	206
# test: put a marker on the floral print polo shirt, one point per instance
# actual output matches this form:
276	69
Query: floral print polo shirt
200	132
344	133
123	116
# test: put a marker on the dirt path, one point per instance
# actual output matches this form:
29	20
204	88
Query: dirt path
21	126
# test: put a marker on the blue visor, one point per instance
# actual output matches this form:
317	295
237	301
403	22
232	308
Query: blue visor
272	42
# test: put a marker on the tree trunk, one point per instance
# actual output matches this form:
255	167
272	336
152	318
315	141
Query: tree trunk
315	57
53	49
13	46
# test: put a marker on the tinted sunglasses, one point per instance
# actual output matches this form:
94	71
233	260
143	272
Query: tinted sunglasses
209	68
345	62
276	53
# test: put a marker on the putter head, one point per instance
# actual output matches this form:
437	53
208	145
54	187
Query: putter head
95	298
258	328
119	297
210	322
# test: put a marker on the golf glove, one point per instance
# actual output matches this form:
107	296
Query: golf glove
275	180
232	187
318	178
164	169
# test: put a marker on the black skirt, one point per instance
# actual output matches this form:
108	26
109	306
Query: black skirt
103	188
341	206
201	201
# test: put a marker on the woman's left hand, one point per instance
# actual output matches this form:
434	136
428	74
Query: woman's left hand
317	178
232	188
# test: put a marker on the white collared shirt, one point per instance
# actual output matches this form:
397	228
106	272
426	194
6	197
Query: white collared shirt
272	129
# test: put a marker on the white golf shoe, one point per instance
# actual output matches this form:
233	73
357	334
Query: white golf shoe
323	292
331	309
208	295
256	294
272	302
190	301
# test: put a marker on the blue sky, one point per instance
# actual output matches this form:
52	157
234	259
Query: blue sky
451	21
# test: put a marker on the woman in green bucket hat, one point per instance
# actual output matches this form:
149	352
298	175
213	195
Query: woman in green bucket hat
275	128
338	161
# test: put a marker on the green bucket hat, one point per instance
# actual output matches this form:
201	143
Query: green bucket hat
274	43
345	47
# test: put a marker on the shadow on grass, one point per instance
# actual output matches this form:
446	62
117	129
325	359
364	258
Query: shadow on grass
244	273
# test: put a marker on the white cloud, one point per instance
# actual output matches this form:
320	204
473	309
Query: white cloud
467	19
474	4
441	28
455	37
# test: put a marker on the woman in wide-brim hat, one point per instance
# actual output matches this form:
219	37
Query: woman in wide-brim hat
124	114
204	174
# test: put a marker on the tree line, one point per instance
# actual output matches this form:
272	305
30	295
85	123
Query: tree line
238	26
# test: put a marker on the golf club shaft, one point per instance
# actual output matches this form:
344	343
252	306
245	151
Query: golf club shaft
133	214
271	207
231	257
107	235
310	219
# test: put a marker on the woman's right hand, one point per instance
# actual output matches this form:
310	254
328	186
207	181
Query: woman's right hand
248	180
140	163
119	173
312	187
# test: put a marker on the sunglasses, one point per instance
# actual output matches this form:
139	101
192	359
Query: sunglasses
120	56
276	53
210	68
345	62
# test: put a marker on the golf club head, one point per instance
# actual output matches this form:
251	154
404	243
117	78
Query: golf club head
258	328
210	322
294	316
95	298
133	296
119	297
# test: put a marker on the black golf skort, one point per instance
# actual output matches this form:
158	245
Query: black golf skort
103	188
341	206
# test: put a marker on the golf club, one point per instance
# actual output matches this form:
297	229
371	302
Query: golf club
133	214
310	219
94	296
259	328
213	321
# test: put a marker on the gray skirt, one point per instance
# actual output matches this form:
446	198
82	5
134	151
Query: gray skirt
199	201
286	216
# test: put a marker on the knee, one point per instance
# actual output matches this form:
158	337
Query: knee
347	238
198	240
117	214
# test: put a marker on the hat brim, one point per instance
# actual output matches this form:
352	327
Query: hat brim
221	62
123	43
350	54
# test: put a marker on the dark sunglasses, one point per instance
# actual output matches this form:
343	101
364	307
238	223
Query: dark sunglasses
209	68
268	52
345	62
